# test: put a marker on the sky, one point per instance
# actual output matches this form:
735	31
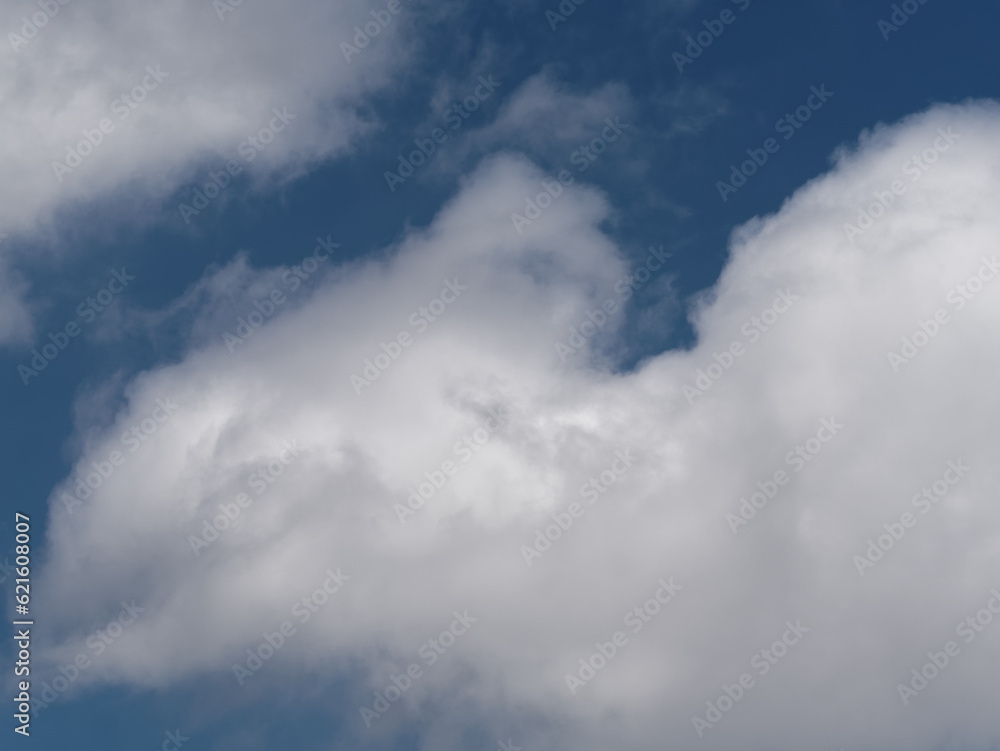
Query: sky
528	375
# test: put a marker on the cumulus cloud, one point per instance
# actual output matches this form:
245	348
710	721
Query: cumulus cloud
789	383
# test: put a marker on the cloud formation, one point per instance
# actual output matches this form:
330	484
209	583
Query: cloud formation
710	505
134	101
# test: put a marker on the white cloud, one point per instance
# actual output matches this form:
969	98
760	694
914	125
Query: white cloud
493	347
222	81
217	83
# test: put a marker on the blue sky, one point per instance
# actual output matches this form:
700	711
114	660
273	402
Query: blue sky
655	185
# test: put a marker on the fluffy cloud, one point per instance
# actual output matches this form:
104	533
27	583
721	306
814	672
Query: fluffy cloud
796	389
179	90
216	83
